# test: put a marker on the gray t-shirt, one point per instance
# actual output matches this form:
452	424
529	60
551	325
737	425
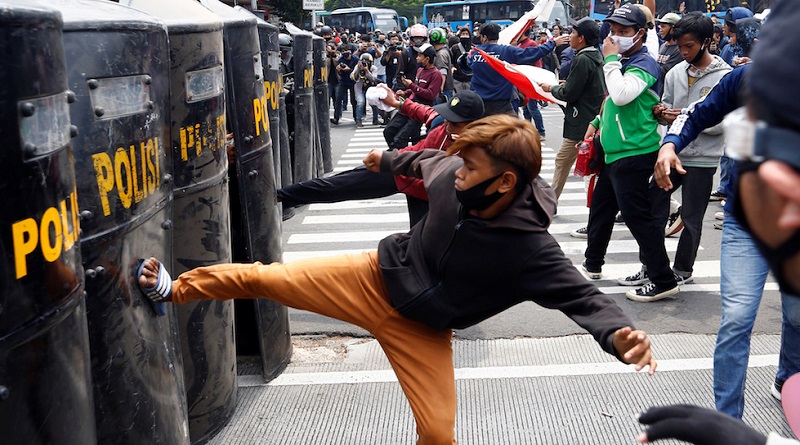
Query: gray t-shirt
445	66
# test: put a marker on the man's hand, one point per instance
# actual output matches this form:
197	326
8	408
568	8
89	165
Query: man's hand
610	46
590	131
390	99
682	8
545	87
700	426
373	160
561	40
634	348
667	160
407	82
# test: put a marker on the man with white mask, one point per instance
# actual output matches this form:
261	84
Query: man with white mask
628	133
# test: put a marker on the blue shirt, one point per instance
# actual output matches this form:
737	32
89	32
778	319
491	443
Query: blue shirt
488	83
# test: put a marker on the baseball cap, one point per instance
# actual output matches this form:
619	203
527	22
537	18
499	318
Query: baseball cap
588	28
628	15
427	50
669	18
465	106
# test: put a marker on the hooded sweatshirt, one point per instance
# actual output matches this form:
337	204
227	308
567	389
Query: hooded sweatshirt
706	150
453	270
583	91
731	16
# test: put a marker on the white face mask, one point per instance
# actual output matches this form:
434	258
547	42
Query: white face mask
625	43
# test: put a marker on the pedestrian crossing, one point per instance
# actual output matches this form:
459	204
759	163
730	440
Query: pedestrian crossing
356	226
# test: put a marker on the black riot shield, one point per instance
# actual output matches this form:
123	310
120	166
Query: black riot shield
201	211
117	66
45	382
255	215
304	121
322	105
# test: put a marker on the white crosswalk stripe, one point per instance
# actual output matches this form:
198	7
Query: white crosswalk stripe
358	225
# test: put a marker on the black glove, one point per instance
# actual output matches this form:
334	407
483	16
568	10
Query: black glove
700	426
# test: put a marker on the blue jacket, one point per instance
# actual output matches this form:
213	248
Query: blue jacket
488	83
724	97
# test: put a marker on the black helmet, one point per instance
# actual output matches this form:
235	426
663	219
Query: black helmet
325	30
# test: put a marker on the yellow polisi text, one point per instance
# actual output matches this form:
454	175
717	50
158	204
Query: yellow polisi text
134	174
202	136
260	114
54	232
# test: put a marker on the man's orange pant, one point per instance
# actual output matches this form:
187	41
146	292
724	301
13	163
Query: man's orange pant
349	288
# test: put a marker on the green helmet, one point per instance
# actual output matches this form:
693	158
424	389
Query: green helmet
437	36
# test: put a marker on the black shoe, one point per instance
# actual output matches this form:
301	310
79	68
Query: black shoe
619	219
776	389
717	196
591	272
335	121
674	223
650	292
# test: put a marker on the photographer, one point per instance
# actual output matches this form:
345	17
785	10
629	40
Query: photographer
364	76
344	67
380	48
391	59
331	56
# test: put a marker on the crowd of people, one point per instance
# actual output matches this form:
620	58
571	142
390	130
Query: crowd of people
651	93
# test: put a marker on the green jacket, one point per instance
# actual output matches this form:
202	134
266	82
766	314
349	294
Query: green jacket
583	91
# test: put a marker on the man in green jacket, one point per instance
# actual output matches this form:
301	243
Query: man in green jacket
583	91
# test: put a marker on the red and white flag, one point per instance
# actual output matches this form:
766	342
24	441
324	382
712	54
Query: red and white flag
525	77
540	12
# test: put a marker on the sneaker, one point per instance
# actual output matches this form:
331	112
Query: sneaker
594	274
719	216
674	223
683	280
619	219
582	233
776	389
359	123
335	121
637	279
716	195
542	137
718	225
650	292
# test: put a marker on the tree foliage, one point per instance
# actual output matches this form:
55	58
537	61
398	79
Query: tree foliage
290	11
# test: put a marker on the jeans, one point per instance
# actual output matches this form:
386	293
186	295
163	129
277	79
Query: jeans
624	185
725	167
532	111
341	98
743	274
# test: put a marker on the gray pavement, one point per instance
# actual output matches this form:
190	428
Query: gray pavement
526	376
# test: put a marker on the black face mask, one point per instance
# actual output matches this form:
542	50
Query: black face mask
474	198
465	41
699	54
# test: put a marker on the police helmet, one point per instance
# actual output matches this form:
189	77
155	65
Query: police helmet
366	57
285	41
325	30
437	36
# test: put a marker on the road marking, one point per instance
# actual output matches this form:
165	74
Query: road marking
358	204
497	372
362	218
340	237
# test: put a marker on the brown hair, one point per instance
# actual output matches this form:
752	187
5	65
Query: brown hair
505	138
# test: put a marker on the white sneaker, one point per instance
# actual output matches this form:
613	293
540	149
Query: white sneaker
582	233
773	389
719	216
649	293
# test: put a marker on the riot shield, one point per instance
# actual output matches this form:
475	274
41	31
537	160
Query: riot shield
201	211
322	105
45	381
255	212
117	66
303	132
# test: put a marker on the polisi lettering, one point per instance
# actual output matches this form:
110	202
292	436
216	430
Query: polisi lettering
202	136
272	90
55	231
134	173
308	78
260	117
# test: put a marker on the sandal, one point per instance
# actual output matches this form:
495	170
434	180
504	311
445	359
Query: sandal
163	288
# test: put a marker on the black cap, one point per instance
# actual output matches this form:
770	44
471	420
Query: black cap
628	15
588	28
465	106
776	62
